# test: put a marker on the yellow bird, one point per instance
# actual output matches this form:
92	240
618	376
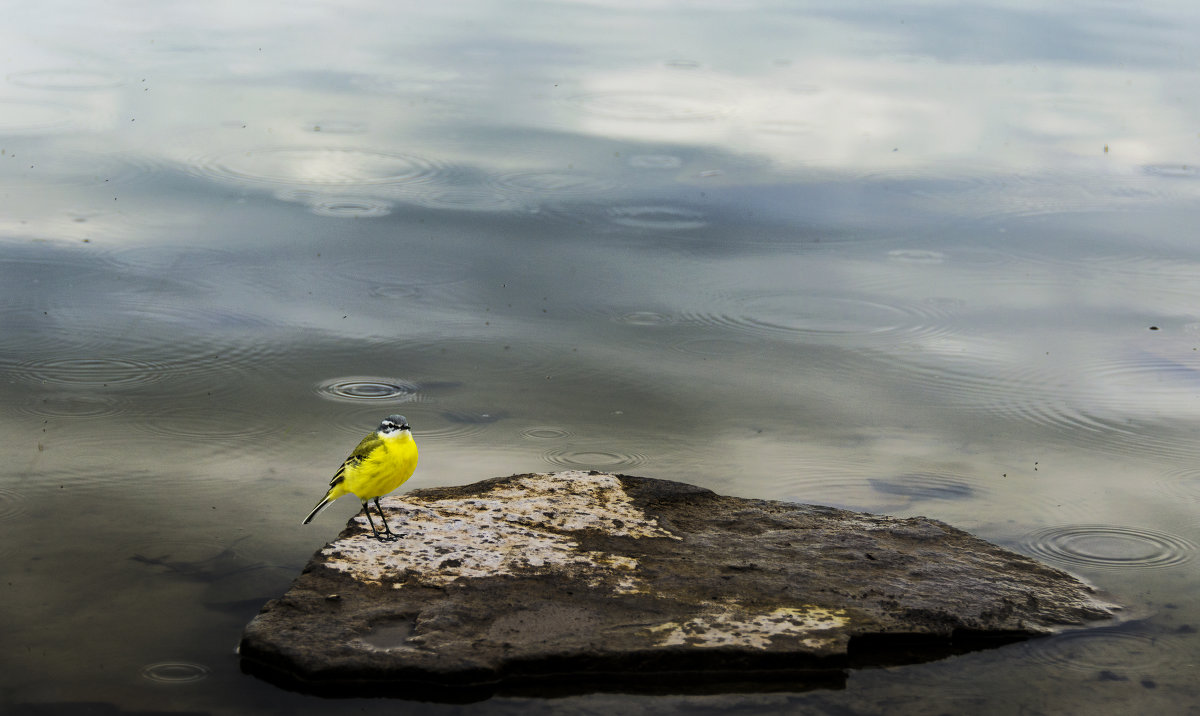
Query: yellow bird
383	461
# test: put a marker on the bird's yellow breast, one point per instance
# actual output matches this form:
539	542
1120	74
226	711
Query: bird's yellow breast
387	467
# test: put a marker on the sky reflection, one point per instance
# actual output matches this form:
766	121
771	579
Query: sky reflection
929	258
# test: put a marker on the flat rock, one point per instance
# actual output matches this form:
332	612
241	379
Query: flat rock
575	581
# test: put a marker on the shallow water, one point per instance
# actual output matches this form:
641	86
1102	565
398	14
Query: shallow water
929	259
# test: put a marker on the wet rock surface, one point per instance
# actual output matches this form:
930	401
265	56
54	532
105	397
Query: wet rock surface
577	581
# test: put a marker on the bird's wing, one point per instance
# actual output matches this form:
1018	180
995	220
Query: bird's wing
364	449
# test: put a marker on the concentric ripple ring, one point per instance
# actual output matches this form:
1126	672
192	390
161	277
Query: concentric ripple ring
1110	547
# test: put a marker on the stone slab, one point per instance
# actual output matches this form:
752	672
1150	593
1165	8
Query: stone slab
578	580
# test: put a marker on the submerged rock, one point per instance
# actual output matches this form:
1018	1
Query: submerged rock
580	581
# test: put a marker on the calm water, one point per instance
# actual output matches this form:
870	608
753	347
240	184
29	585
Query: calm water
935	258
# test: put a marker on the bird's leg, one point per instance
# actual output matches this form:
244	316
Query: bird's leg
383	517
374	531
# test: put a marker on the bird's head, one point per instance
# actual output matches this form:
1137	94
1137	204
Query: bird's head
393	424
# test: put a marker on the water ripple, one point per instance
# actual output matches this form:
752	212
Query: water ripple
455	425
447	432
1109	547
576	458
658	218
26	266
227	425
820	315
973	380
92	372
175	672
1153	439
367	388
1110	651
190	360
33	330
1154	275
1116	404
854	490
546	432
556	184
314	166
925	486
74	405
816	317
646	318
349	207
1142	384
1184	482
467	198
444	426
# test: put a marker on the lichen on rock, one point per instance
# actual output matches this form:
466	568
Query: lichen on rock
730	624
520	527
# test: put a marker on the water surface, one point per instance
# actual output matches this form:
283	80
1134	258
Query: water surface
931	259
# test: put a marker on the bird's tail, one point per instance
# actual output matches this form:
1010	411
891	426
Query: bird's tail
325	502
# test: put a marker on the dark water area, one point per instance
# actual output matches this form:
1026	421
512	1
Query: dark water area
934	259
